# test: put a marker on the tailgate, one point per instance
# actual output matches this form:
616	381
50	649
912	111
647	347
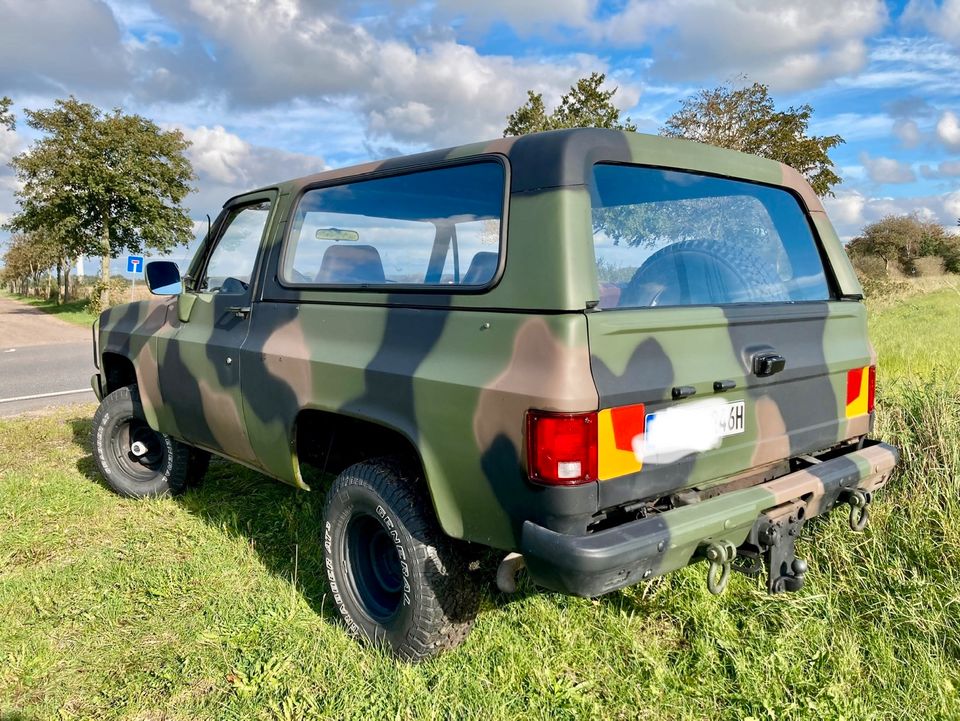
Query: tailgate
654	356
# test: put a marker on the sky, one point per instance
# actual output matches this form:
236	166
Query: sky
273	89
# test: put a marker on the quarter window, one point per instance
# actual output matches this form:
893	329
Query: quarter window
438	227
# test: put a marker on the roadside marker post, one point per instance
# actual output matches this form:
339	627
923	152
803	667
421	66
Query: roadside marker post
135	266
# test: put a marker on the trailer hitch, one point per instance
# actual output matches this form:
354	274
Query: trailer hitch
771	544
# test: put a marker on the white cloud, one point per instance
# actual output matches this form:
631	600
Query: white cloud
846	208
217	154
944	169
948	130
438	92
11	143
850	210
779	42
227	165
941	19
924	65
60	45
908	131
882	170
951	203
451	94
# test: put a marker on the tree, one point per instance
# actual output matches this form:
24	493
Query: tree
27	258
904	238
6	117
587	105
103	183
747	120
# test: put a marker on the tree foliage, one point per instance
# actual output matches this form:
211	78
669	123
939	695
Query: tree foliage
746	119
6	117
103	183
27	257
905	238
586	105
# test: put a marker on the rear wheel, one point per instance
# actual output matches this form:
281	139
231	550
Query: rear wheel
136	460
396	578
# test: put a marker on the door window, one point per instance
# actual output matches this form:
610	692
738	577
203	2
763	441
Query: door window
231	263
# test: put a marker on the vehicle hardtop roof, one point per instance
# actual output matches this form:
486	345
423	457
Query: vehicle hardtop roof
559	158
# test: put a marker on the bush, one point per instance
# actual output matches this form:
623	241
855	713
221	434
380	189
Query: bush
119	292
875	278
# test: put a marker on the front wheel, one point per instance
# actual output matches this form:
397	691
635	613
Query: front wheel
395	577
136	461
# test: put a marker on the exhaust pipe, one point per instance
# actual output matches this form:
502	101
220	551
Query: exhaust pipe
507	572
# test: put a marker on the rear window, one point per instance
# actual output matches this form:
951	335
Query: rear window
669	238
437	227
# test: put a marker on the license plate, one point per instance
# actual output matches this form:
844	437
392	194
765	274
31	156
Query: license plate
726	418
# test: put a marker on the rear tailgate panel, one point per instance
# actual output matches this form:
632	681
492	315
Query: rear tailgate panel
640	355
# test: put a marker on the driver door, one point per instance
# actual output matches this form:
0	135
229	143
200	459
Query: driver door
200	363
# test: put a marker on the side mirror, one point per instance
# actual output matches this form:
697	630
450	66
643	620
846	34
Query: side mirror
163	278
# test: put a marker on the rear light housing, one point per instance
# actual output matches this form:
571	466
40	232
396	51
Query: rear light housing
861	390
562	448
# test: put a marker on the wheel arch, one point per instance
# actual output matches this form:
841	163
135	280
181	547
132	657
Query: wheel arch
331	441
118	371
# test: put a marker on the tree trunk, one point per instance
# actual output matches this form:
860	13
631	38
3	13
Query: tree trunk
59	281
105	264
66	281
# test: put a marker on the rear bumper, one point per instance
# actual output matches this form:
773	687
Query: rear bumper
594	564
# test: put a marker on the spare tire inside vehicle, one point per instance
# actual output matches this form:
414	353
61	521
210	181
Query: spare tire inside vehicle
704	272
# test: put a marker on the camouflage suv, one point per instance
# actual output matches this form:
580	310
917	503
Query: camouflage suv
604	355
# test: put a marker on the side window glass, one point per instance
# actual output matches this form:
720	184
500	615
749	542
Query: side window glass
437	227
231	263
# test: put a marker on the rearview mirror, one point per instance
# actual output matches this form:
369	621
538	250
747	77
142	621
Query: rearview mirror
163	278
337	234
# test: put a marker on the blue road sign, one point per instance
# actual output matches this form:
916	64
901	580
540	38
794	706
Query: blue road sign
134	263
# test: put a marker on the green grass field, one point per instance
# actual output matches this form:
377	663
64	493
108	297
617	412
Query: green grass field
73	312
213	605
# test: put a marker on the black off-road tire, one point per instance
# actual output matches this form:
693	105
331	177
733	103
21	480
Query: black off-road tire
759	281
161	471
197	466
395	577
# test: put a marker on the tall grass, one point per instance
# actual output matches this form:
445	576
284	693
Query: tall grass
214	605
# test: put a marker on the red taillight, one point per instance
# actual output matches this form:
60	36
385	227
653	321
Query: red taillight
562	447
854	384
872	389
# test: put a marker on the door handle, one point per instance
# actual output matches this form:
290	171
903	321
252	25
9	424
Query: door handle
768	363
241	311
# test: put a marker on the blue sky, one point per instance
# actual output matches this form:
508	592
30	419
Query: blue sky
270	90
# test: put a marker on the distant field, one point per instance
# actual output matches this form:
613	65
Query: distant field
214	605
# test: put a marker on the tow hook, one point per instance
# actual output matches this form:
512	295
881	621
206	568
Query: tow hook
720	555
859	513
507	572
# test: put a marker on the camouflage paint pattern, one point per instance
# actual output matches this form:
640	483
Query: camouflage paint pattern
455	373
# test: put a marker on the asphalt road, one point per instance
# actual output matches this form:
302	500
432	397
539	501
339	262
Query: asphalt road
44	361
